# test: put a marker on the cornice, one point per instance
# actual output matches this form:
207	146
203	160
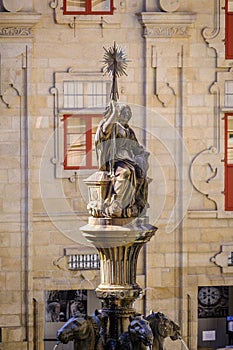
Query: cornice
163	24
18	24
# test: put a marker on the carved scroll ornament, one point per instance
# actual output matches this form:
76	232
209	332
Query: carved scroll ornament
15	31
204	174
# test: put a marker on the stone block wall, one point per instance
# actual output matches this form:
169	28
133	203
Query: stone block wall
175	85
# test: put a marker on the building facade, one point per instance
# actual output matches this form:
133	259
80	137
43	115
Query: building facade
53	92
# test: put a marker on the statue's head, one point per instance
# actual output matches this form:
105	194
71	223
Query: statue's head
140	331
164	326
74	328
125	114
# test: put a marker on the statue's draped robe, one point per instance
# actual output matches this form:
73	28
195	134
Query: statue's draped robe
120	154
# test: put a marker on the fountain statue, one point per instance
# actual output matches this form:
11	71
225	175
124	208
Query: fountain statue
118	227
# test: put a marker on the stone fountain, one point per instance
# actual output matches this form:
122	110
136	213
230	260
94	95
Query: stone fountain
118	227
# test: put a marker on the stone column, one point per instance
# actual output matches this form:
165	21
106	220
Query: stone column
118	241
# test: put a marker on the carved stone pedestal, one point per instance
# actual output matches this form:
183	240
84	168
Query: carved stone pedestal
118	241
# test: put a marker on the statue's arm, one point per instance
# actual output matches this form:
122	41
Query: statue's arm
111	118
138	149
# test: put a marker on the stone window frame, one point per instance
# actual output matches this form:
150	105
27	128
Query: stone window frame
100	20
60	111
226	111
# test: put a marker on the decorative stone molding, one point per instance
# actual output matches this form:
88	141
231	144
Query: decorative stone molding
215	91
165	91
10	96
211	33
15	31
169	25
202	214
224	259
212	163
165	94
18	24
215	36
207	167
204	174
173	31
11	78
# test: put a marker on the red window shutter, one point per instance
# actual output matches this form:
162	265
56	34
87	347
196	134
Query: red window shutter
89	142
229	36
228	33
228	162
86	7
89	124
229	188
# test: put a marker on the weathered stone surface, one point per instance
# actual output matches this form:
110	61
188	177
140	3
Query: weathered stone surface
180	81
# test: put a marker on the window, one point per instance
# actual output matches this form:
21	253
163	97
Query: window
80	94
79	135
80	129
84	262
60	306
229	29
229	162
213	302
88	7
230	259
229	93
80	99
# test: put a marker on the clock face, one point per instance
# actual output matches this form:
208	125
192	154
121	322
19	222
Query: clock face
209	296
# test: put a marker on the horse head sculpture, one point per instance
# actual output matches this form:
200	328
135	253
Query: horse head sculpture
162	327
84	330
139	335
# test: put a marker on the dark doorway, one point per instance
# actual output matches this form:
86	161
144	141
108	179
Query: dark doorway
214	308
